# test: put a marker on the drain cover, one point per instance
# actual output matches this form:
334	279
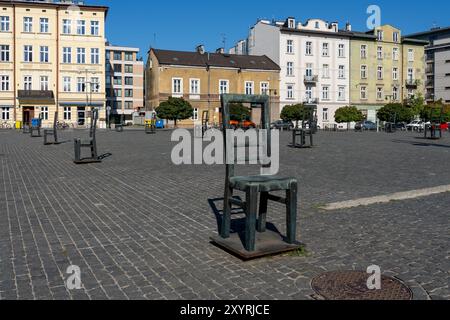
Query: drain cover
352	285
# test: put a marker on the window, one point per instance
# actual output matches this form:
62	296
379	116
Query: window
411	55
4	53
264	88
118	68
325	114
81	55
94	28
410	74
380	35
249	87
4	83
129	81
5	113
341	50
44	54
117	105
395	54
290	91
81	84
4	23
363	51
95	56
395	37
44	83
27	24
128	68
95	85
177	86
44	25
27	83
67	55
108	80
309	93
81	27
290	69
290	46
380	53
44	113
363	72
410	93
326	71
325	49
28	53
380	73
341	93
117	55
395	73
118	81
363	93
194	87
309	70
118	93
195	116
223	86
341	72
67	26
67	84
317	25
325	93
291	23
309	48
129	105
128	56
380	93
395	93
67	113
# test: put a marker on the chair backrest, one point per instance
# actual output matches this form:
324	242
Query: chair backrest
94	118
244	149
55	121
205	118
308	118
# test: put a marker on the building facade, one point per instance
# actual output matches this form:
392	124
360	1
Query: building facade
437	55
386	67
52	59
124	82
200	77
315	62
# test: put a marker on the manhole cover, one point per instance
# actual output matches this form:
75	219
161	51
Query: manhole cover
352	285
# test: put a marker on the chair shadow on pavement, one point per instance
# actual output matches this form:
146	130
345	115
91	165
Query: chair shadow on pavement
421	144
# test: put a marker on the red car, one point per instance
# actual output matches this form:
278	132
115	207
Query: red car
245	124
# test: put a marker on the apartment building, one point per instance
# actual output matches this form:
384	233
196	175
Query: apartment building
124	82
437	54
200	77
386	67
52	58
315	62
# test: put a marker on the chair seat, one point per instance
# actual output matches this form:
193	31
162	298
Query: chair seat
264	183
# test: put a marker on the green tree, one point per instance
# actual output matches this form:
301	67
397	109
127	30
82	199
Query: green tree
433	112
401	112
347	115
295	112
175	109
238	112
417	104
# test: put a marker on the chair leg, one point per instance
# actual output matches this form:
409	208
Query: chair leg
77	144
291	213
250	221
226	219
312	139
262	221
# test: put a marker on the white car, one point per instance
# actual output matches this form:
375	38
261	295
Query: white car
416	125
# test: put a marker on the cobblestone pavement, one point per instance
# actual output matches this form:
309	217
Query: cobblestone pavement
139	227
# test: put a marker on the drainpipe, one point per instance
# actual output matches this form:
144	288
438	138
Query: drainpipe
14	63
57	64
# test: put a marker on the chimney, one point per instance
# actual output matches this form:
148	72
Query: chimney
200	49
220	50
348	27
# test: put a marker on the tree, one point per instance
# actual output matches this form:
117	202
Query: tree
239	112
417	104
433	112
175	109
295	112
347	115
401	113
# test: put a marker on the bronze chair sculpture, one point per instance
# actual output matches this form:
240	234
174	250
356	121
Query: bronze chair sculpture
52	132
433	130
90	143
306	130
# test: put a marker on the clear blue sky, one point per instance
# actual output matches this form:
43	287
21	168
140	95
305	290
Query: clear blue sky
181	24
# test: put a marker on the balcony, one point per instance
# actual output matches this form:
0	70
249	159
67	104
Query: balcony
429	96
312	80
310	101
35	96
429	83
429	70
412	84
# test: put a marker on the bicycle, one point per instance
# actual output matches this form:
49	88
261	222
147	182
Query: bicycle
62	125
5	125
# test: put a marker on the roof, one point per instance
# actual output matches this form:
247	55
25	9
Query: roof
195	59
430	32
52	4
340	33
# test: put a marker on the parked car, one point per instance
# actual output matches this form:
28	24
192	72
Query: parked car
366	125
415	125
401	126
244	124
282	125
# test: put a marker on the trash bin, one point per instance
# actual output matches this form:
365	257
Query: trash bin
19	125
36	123
160	124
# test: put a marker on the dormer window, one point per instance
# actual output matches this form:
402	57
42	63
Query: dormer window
395	37
291	23
317	25
380	35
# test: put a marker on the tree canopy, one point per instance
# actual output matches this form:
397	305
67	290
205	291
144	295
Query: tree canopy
348	114
434	111
175	109
397	111
295	112
238	112
416	104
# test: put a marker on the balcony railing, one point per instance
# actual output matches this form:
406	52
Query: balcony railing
311	79
411	83
310	101
429	70
429	83
429	96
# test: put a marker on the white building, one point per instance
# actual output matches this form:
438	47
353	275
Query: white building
314	58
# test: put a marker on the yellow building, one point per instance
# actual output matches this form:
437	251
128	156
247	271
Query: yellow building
200	77
385	68
52	58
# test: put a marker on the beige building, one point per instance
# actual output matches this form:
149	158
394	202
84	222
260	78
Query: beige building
200	77
52	58
124	82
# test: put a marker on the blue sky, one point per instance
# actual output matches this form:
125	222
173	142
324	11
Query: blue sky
182	24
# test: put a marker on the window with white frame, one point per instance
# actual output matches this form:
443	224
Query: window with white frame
67	26
325	93
309	70
44	54
341	50
81	27
325	49
363	72
411	55
4	23
290	46
395	73
5	113
4	83
326	71
395	54
249	87
27	24
44	113
177	86
308	93
341	93
410	93
363	93
67	113
67	84
380	53
44	25
95	28
81	84
264	88
380	72
341	72
309	49
223	86
67	55
27	83
4	53
380	35
95	56
363	51
290	69
95	84
195	115
395	37
44	83
290	91
395	93
380	93
81	55
28	53
325	114
194	88
410	74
